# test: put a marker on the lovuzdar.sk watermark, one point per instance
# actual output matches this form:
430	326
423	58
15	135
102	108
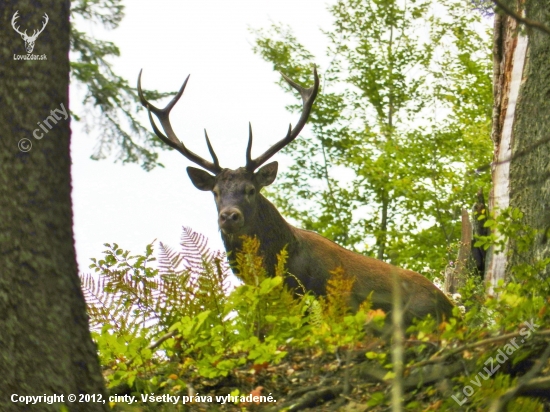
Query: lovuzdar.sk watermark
492	365
29	40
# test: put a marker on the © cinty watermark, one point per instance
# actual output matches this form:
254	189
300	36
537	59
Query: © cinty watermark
25	144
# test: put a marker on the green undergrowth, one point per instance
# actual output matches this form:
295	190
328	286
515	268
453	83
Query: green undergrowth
174	325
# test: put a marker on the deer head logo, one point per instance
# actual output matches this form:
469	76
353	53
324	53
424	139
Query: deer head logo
29	40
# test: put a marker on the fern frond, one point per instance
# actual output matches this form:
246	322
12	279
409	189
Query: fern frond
102	306
137	299
169	259
194	248
339	287
250	263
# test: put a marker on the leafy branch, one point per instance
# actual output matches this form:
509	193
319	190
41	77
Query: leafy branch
111	104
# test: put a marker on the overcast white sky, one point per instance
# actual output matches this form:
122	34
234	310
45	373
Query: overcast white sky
229	86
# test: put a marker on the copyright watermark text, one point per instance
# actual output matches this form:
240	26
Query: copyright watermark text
143	398
25	145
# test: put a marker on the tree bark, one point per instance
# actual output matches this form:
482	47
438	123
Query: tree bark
45	344
509	53
382	237
530	173
521	121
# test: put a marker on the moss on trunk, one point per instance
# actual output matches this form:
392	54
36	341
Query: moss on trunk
45	345
530	174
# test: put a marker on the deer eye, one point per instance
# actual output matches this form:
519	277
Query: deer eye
216	193
250	191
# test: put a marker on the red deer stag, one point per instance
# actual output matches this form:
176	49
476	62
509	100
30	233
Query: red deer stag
242	210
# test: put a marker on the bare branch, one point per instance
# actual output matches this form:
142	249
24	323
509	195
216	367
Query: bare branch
520	19
162	339
515	156
441	358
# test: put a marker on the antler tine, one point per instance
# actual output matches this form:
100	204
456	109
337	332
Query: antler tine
170	138
169	106
249	146
308	97
46	20
211	150
14	22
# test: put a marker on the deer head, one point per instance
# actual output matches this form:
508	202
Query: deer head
236	192
29	40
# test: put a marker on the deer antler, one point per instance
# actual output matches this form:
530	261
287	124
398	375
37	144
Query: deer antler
170	138
308	97
13	19
37	32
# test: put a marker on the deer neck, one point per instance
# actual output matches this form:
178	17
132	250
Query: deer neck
270	228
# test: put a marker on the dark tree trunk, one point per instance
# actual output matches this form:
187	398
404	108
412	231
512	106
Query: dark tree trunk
45	344
530	173
382	237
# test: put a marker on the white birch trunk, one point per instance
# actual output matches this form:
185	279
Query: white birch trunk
508	80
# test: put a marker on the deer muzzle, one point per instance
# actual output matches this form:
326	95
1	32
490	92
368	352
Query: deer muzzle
230	220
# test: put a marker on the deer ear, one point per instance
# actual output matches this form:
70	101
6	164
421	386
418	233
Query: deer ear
201	179
267	174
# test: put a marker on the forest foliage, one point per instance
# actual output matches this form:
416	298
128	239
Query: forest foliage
175	326
400	126
111	105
